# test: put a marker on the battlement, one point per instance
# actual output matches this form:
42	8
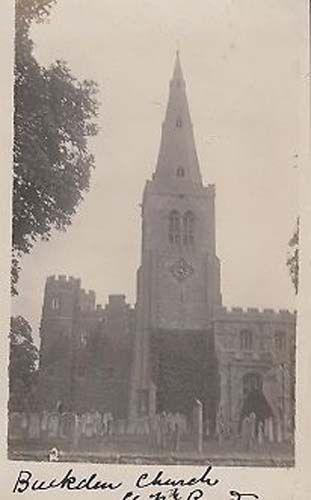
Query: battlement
253	313
87	300
63	280
62	290
211	188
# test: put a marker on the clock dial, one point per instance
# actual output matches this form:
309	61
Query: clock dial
181	269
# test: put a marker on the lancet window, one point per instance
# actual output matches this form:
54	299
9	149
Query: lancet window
188	228
174	227
55	303
246	340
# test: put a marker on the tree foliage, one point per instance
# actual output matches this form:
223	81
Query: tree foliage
53	119
22	364
293	257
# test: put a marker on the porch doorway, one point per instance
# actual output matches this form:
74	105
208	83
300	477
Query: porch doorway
254	400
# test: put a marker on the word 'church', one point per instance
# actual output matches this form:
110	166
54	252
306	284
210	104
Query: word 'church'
178	344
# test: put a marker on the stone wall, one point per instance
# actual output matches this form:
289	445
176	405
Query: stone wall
250	345
86	350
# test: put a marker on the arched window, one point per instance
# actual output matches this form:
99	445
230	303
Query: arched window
251	382
280	341
174	227
55	303
246	340
188	222
179	122
83	338
180	172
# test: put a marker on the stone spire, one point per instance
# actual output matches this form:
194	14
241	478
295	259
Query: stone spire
177	75
177	163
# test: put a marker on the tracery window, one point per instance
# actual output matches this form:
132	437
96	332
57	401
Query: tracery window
188	227
174	227
246	340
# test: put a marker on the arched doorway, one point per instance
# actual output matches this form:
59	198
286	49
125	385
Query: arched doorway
254	400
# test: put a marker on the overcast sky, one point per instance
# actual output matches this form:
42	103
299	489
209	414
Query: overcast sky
242	65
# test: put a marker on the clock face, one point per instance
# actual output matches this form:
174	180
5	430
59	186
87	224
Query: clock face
181	269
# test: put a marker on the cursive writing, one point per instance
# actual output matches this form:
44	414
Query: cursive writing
26	481
144	480
158	486
235	495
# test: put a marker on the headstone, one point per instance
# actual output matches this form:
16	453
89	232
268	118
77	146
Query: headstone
77	430
163	431
158	438
15	430
97	423
176	438
266	428
152	431
246	432
198	425
66	425
34	426
279	436
270	430
89	425
44	421
152	400
83	424
53	425
220	426
252	437
260	433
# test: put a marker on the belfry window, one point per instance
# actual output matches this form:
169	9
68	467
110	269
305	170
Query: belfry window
55	303
188	223
174	227
180	172
179	123
246	340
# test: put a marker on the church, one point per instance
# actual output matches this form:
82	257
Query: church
179	343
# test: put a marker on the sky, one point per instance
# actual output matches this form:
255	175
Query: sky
242	65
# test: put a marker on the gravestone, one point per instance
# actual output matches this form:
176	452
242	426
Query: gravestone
198	425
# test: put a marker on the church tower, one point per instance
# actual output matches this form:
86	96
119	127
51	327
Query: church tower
178	282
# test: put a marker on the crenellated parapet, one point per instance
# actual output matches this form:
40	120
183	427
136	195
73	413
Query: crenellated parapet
64	297
254	314
87	300
63	280
252	336
63	292
251	344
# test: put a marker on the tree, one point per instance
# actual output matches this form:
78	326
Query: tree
22	364
54	116
293	257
